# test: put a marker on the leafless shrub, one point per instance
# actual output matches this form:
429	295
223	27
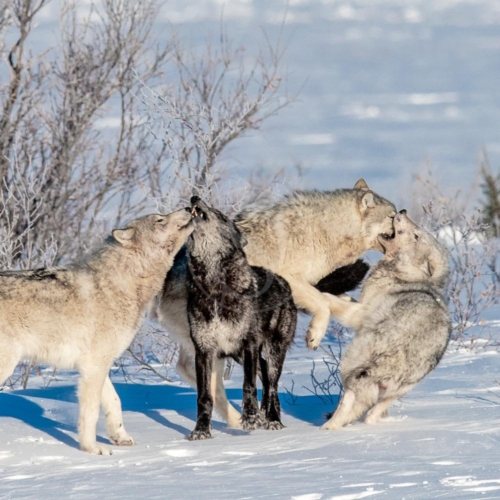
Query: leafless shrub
152	352
216	96
473	289
291	398
67	177
19	212
328	389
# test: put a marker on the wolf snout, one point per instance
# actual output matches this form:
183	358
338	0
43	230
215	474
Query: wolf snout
198	207
401	216
182	217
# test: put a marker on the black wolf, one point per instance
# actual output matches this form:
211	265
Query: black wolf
235	310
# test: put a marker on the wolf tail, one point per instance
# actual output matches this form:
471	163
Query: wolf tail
344	279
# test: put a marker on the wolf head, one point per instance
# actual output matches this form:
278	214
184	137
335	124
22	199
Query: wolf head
376	215
156	236
414	253
213	233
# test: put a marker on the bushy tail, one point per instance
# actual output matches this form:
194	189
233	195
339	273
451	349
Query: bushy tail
344	279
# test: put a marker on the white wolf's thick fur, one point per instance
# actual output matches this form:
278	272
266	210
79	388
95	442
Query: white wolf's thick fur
303	238
402	325
85	315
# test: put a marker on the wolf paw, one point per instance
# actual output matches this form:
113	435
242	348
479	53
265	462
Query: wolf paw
313	339
124	440
275	425
199	435
330	426
97	449
251	422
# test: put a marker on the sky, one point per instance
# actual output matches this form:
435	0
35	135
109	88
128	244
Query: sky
387	87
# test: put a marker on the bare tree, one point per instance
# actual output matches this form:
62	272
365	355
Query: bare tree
472	289
65	179
51	102
216	96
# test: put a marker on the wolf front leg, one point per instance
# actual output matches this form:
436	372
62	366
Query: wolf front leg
250	419
114	418
307	297
90	388
186	369
347	312
205	402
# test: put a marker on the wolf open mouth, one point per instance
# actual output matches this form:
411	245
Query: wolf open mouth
196	211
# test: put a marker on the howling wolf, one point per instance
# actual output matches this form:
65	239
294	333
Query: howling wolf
84	315
401	321
235	310
304	238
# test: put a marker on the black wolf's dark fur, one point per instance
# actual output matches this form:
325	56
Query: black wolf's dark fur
344	279
235	310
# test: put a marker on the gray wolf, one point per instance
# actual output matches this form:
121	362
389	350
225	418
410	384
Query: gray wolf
235	310
310	234
85	314
401	321
304	238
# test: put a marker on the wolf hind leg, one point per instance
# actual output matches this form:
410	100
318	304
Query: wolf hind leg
275	362
340	415
354	403
250	419
379	410
112	407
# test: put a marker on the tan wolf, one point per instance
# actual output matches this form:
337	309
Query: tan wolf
84	315
302	238
401	321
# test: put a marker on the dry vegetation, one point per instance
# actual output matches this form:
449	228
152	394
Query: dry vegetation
66	179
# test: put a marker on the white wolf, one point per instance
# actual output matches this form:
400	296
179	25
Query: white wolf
85	314
402	324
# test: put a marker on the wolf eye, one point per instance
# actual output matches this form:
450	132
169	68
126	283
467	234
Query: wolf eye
160	220
416	237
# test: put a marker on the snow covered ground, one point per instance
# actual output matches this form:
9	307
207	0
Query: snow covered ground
441	441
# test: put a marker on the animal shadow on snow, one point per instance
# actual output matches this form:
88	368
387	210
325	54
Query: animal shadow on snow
147	399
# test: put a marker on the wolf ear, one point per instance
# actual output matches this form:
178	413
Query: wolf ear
368	201
361	184
123	236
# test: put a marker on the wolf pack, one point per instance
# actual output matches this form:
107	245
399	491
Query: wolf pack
232	288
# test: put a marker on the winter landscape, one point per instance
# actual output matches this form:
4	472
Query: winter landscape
102	125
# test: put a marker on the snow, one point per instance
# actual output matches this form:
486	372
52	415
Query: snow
441	441
385	86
